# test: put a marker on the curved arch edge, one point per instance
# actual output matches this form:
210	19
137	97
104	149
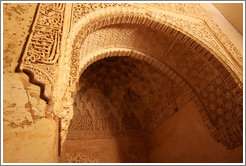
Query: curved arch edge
170	23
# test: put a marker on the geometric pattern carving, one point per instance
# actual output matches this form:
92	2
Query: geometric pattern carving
224	106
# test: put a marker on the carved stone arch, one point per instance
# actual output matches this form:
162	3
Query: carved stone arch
190	93
184	30
50	33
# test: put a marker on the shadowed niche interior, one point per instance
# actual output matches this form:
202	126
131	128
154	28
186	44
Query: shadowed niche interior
123	111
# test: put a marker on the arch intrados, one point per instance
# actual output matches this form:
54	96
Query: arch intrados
159	65
123	52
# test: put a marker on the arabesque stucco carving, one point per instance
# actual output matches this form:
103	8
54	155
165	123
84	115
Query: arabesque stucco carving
56	54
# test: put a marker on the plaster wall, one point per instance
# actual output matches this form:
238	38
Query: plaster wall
233	12
28	135
233	35
185	138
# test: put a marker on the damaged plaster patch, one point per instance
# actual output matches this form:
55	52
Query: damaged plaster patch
20	108
37	105
14	99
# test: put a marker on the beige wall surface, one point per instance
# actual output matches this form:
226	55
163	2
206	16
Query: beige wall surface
185	138
230	26
28	136
233	12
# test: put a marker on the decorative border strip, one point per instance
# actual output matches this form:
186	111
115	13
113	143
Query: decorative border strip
42	50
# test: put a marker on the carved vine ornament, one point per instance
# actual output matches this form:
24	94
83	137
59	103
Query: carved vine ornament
59	30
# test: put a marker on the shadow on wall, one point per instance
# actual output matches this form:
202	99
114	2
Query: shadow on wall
109	116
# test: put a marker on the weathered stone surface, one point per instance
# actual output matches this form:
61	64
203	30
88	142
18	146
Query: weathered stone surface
33	143
15	107
27	135
21	16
